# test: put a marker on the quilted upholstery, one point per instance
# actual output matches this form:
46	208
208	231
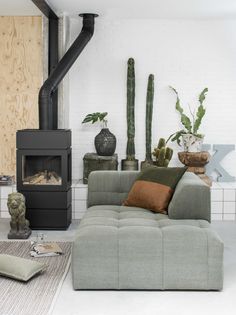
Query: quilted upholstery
118	247
191	199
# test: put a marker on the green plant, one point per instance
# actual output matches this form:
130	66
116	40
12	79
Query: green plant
130	149
191	125
162	153
149	111
94	117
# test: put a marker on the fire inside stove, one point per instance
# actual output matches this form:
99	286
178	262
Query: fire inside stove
41	170
43	178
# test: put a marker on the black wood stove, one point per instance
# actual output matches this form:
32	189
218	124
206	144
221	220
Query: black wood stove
44	176
44	154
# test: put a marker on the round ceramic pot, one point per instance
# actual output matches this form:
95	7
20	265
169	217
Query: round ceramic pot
127	165
105	142
192	143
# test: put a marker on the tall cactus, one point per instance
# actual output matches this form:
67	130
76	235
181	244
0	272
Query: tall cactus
130	150
149	111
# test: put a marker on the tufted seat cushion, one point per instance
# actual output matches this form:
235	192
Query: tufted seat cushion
118	247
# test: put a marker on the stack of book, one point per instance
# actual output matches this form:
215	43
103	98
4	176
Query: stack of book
6	180
46	250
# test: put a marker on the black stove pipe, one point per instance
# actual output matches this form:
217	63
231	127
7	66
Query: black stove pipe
51	84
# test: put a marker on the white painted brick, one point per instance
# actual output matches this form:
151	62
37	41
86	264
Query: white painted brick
225	185
216	207
79	215
5	191
229	216
73	208
233	184
215	185
229	207
4	205
97	92
216	217
229	195
5	214
81	193
217	194
80	205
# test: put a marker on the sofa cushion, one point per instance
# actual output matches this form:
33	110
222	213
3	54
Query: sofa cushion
154	188
119	247
19	268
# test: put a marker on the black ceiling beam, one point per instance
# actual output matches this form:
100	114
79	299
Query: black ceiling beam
45	9
53	56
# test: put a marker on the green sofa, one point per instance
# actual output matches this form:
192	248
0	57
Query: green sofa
118	247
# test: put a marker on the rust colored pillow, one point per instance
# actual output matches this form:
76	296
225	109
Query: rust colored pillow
154	188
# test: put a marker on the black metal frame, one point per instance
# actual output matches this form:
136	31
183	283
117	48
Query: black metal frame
48	206
53	55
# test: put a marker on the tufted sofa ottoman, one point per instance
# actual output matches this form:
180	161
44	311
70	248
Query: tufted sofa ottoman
118	247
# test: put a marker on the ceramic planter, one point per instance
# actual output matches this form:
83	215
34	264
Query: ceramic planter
192	143
127	165
105	143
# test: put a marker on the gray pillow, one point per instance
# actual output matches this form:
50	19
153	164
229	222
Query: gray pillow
19	268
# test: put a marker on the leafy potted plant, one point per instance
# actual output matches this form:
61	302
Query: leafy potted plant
130	163
192	140
105	141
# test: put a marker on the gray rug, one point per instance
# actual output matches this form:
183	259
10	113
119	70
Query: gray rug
37	296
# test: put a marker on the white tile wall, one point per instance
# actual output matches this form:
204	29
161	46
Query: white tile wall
217	207
217	194
223	200
216	217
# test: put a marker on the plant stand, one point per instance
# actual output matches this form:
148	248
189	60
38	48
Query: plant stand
94	162
196	161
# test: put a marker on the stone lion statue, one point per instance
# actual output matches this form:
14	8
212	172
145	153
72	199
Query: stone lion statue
19	225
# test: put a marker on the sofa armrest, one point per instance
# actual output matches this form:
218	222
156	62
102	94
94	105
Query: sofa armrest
191	199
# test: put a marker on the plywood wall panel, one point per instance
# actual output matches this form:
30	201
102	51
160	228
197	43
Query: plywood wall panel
20	80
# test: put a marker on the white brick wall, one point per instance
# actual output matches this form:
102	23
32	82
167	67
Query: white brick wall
187	54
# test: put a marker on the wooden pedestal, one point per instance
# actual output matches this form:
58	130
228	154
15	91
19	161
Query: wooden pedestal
196	161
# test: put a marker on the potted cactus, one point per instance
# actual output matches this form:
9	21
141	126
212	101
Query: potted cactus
105	141
149	111
130	163
191	138
162	154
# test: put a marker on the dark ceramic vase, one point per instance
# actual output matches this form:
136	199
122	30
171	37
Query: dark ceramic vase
105	142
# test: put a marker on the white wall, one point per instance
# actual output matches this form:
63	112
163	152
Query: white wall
187	54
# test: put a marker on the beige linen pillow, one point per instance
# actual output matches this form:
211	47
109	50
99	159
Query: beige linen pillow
19	268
